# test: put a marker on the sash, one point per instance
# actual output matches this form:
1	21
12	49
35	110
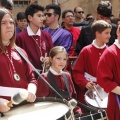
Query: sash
56	34
90	77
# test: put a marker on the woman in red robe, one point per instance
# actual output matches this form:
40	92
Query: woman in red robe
108	77
15	73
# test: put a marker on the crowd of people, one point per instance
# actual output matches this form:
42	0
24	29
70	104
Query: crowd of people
93	41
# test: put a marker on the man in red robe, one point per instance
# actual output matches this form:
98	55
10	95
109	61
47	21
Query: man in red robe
84	72
108	77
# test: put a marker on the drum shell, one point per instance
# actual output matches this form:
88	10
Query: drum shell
39	106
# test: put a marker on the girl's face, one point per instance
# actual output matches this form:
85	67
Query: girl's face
59	61
7	28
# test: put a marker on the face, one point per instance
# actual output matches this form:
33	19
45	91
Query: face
104	36
50	16
79	13
37	19
69	18
7	28
59	61
22	23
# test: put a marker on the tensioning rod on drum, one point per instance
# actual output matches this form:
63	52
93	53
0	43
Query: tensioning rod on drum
34	69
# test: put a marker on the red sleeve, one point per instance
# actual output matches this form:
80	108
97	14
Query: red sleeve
79	69
105	71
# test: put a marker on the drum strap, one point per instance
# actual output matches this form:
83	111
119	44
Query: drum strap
64	94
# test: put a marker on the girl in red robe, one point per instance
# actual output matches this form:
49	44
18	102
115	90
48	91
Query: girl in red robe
15	73
108	77
84	72
58	59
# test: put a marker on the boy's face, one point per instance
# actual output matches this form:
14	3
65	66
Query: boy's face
37	19
22	23
104	36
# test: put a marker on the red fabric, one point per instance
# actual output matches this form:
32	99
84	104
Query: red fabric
45	91
21	67
108	77
87	62
75	32
28	44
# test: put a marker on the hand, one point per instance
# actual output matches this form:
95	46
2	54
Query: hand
90	85
31	97
3	105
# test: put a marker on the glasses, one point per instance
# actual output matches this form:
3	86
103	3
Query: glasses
69	16
49	14
80	12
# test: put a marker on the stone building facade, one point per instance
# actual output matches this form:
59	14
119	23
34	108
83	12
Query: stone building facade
89	6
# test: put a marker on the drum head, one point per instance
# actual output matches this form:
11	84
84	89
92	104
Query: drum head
46	110
93	99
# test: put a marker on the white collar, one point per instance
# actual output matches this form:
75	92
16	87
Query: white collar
30	32
54	72
93	43
117	43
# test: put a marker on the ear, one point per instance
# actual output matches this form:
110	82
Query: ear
97	34
29	17
50	59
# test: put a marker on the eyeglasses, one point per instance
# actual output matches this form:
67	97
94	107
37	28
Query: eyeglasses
69	16
80	12
49	14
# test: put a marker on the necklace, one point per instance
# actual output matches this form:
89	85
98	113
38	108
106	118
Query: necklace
39	46
15	75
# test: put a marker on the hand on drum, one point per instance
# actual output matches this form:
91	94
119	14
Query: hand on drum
90	85
31	97
3	105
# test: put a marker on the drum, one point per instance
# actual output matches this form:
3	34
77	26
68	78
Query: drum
42	109
96	100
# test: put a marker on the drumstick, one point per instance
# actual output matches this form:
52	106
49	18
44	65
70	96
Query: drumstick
44	64
97	91
18	97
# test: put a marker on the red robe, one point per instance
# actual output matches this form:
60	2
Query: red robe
87	62
44	90
26	42
21	67
108	77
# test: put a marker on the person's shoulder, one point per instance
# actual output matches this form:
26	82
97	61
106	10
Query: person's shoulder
65	32
22	33
45	33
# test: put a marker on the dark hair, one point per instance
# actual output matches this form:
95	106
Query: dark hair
56	8
66	11
3	12
8	4
32	9
100	26
104	8
21	15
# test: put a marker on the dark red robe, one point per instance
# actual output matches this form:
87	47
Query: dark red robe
108	77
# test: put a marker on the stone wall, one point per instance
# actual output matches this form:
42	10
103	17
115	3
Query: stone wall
89	6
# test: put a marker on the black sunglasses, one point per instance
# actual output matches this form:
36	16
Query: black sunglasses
49	14
80	12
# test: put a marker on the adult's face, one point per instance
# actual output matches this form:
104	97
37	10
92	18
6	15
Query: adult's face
79	13
51	17
69	18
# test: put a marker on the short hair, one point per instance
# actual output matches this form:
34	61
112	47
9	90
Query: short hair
56	8
104	8
32	9
20	15
66	11
100	26
3	12
8	4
